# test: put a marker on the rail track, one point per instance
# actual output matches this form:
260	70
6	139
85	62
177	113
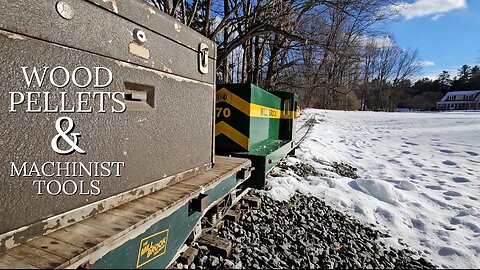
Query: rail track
304	129
301	133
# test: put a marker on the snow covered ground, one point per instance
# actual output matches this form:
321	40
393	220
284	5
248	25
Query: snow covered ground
419	177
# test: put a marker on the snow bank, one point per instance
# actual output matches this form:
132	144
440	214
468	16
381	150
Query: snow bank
383	191
419	177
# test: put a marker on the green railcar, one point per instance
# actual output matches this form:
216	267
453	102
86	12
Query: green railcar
255	124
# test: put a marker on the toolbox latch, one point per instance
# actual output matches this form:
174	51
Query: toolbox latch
203	58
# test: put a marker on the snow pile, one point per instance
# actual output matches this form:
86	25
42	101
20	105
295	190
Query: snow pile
383	191
419	177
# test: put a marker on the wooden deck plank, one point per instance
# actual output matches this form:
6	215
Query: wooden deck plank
94	234
186	185
86	236
171	190
75	239
188	191
126	213
9	262
204	179
167	194
120	220
35	256
110	228
5	266
161	197
158	204
136	207
56	247
114	224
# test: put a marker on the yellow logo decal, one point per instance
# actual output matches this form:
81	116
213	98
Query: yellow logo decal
152	247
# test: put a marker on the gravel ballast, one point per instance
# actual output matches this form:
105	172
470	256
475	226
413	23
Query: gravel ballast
304	233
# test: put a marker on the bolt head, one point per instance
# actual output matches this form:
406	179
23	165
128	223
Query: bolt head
65	10
139	35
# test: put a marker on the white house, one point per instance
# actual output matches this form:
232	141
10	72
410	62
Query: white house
460	100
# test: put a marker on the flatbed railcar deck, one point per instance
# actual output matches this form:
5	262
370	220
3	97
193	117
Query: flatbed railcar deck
147	232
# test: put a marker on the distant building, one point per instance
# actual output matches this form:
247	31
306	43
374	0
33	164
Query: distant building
460	100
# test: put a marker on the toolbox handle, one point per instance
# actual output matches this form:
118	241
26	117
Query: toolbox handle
139	96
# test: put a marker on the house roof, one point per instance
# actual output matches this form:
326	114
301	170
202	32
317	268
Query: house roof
475	93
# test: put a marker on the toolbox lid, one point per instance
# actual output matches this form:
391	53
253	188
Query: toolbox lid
131	31
156	20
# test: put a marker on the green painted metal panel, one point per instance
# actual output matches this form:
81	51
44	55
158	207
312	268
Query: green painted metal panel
269	139
264	158
262	97
256	129
179	225
262	129
288	105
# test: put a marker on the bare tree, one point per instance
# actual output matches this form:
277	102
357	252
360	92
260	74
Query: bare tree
331	52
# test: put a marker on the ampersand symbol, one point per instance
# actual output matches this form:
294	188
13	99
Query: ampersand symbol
64	135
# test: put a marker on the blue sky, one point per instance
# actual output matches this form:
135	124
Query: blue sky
446	33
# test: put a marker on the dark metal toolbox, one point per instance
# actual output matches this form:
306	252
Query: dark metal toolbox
166	72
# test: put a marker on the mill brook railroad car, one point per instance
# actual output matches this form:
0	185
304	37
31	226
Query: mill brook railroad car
173	147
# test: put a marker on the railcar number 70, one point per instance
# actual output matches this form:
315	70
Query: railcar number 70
225	112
